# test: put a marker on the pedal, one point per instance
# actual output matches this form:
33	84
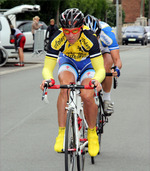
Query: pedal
107	114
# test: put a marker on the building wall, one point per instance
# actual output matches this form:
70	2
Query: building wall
132	10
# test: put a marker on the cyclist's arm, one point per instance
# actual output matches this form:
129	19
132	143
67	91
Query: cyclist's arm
98	65
112	44
49	66
116	58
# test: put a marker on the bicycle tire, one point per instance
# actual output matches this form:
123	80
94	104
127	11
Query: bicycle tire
81	161
99	127
92	160
70	154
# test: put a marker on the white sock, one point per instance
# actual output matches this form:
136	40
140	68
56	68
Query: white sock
106	96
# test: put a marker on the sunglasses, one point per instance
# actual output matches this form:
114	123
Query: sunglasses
73	31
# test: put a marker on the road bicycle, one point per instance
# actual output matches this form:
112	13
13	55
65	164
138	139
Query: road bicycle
75	141
102	117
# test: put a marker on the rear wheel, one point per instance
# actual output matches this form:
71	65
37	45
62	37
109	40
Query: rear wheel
99	127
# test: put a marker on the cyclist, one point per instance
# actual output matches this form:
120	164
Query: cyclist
79	51
19	40
110	51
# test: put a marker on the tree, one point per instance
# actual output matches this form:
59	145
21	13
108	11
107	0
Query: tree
147	6
96	8
111	15
52	8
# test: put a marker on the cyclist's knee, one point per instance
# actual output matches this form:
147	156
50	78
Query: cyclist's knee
87	97
63	93
66	77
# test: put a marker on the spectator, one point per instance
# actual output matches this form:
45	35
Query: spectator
51	29
19	40
35	24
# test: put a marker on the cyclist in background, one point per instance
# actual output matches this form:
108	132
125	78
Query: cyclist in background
110	51
19	40
79	52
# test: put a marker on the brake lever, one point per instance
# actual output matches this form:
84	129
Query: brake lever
44	91
44	96
115	83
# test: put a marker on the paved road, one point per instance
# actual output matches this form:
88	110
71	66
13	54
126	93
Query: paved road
28	126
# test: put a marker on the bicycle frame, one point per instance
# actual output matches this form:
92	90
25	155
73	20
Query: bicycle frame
76	105
74	145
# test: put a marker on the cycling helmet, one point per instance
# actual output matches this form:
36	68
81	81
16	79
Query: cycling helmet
92	23
71	18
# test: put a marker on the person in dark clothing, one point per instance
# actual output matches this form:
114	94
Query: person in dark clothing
51	29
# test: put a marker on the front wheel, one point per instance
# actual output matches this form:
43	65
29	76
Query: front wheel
83	139
70	145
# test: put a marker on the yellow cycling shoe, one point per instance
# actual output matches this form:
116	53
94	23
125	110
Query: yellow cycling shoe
58	147
93	144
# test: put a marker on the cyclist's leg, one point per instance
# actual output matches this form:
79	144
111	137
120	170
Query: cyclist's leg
65	77
20	46
107	83
66	74
90	110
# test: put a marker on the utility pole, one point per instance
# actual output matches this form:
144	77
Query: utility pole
117	18
57	15
119	22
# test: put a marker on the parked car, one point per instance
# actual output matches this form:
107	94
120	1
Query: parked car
135	34
6	19
25	28
147	28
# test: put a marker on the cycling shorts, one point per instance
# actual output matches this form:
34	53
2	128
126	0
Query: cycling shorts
104	50
20	42
81	70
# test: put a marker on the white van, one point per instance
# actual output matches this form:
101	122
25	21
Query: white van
6	19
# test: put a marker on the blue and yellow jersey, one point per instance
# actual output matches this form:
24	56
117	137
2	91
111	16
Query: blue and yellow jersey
107	37
86	46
